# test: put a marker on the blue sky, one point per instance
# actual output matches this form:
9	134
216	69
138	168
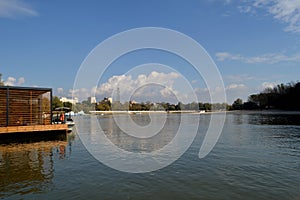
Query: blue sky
254	43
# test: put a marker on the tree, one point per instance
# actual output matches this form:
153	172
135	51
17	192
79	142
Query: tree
56	102
207	106
283	96
1	82
250	106
102	107
68	105
237	104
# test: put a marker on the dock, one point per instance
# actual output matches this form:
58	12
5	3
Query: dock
34	128
34	133
26	113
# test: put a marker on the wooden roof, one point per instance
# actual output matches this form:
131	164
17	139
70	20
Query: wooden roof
36	90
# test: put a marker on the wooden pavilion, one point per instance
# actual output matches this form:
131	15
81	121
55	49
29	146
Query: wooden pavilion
26	109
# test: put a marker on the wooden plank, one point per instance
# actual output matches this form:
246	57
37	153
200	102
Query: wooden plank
20	129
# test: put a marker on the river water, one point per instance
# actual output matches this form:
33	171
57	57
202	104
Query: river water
256	157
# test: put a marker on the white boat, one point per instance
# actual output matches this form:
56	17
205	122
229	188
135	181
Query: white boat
70	123
63	116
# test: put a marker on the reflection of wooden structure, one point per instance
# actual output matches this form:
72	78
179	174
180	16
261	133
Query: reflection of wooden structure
28	166
26	109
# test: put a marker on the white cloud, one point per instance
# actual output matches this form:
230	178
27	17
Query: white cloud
245	9
222	56
239	78
21	81
143	86
60	90
265	85
285	11
233	91
82	93
269	58
155	87
12	81
14	8
225	2
235	86
158	87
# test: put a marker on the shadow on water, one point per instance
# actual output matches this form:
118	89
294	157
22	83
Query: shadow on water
268	117
275	119
32	137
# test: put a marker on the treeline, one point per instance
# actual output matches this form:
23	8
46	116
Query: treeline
283	97
84	106
162	106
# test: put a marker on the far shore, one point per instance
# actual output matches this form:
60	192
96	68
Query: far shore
194	112
155	112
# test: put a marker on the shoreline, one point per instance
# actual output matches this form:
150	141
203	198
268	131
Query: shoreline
194	112
154	112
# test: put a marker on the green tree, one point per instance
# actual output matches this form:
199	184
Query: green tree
207	106
68	105
102	107
56	102
237	104
1	82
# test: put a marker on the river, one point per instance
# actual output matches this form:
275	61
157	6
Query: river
256	157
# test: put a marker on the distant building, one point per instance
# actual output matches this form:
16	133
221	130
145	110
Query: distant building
92	100
65	99
132	102
107	99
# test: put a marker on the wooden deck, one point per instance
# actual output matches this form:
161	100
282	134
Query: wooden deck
34	128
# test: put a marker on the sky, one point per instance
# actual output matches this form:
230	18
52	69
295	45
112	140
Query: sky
254	43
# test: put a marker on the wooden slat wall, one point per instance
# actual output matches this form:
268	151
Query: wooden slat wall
26	107
2	108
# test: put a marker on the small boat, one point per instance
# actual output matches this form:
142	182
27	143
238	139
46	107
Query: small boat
70	123
62	115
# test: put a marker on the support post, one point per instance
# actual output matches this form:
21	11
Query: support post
7	106
51	107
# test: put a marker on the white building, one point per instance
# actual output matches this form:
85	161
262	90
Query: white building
65	99
92	100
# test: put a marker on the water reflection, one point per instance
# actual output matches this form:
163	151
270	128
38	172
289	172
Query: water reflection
251	160
134	144
28	167
274	118
268	128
